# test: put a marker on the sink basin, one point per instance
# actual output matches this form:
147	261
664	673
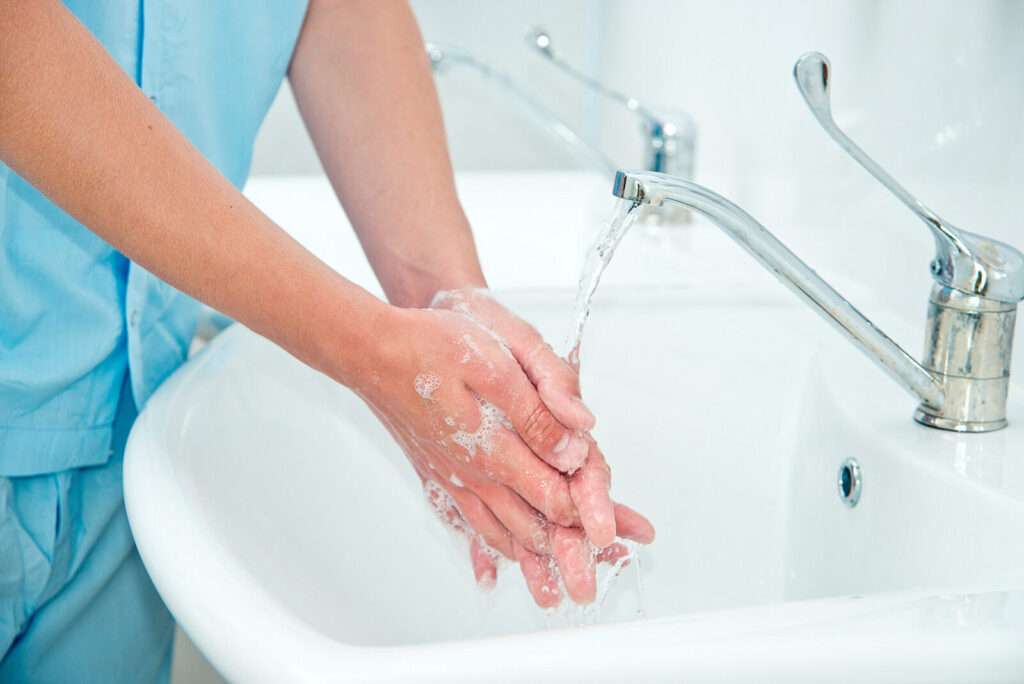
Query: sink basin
291	540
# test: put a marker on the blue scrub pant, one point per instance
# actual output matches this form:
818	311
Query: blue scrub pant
76	604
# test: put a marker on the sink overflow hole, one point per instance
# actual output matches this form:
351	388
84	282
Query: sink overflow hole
850	482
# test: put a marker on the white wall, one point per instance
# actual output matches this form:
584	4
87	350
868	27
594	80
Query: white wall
485	130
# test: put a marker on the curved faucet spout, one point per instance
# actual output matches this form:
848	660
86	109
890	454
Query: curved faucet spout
655	188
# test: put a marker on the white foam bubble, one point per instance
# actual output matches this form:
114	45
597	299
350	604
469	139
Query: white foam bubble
444	296
444	506
442	503
426	384
459	296
491	418
502	343
472	349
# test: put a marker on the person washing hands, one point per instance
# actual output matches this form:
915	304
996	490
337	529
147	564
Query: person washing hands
126	130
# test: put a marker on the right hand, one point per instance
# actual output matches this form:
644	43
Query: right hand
470	420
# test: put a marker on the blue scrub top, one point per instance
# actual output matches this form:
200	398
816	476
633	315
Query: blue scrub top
75	314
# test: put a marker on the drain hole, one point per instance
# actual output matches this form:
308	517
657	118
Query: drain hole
849	482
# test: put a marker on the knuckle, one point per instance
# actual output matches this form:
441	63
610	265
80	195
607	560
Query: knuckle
538	359
494	372
532	337
565	517
540	429
497	377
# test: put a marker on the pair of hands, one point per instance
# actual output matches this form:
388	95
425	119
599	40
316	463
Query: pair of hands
492	421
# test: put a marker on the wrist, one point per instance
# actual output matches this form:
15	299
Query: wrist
443	256
463	285
418	289
354	340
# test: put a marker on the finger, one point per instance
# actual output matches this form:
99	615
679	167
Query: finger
589	487
509	461
557	383
481	519
576	562
631	525
513	393
485	567
540	580
526	525
611	554
498	453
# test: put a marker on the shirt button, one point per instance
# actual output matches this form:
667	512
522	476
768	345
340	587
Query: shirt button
133	318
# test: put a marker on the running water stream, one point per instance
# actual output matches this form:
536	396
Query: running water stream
597	259
595	263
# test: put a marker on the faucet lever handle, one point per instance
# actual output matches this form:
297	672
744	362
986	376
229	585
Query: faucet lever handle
669	135
964	261
540	40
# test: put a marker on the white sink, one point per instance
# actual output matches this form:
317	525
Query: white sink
291	540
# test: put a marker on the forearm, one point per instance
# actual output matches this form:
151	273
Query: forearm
363	84
75	126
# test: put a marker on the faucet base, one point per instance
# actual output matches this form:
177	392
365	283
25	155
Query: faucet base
931	420
968	344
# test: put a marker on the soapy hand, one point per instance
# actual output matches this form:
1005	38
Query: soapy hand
557	385
569	551
558	402
492	421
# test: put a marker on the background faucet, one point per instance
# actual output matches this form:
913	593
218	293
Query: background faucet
669	140
963	383
443	57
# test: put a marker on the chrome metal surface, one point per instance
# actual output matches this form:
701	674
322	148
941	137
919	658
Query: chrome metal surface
968	345
850	482
964	261
647	187
973	305
669	137
444	57
964	380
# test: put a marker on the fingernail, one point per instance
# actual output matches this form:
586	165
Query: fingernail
574	453
487	580
562	443
550	596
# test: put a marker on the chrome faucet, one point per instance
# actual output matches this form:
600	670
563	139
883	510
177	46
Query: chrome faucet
670	140
963	381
